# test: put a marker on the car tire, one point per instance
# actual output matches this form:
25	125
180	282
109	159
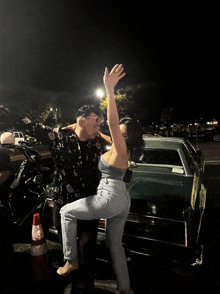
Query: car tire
217	138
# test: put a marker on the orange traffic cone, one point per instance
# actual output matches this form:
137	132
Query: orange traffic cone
39	250
39	245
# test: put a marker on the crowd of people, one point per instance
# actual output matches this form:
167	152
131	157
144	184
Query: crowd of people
89	183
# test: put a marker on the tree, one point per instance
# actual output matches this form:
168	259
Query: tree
140	101
41	109
124	100
39	114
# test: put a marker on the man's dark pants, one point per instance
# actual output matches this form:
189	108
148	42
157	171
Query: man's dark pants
87	235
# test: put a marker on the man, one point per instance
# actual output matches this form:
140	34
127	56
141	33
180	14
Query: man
75	151
6	229
7	139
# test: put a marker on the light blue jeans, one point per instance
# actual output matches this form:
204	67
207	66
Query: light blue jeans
112	202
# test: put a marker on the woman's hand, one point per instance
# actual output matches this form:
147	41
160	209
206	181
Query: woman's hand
111	79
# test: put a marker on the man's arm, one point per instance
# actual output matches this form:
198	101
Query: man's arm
105	137
70	127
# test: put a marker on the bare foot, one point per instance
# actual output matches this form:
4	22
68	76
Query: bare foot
69	266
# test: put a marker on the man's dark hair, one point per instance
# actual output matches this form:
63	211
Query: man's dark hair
85	111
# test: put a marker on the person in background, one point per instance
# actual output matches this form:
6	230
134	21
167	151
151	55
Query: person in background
6	226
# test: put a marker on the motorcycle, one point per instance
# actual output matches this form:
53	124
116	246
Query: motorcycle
27	190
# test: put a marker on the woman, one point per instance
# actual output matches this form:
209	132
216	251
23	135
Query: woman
112	200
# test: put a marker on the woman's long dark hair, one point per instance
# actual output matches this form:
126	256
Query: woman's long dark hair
135	142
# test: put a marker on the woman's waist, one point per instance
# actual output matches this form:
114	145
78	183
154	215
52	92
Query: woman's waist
117	177
113	185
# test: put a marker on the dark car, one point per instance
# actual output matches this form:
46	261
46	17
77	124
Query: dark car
168	199
212	134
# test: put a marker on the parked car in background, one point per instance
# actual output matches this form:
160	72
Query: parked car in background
213	135
206	135
168	199
150	135
19	137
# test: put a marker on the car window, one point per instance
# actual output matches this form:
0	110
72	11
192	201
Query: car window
191	149
16	135
189	157
161	157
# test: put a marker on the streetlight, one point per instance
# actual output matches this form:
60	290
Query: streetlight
100	93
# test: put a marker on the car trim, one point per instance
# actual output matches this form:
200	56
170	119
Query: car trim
156	240
159	165
134	218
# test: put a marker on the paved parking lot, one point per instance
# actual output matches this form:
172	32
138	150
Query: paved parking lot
27	275
211	151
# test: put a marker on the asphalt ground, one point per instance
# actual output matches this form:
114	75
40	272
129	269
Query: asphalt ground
148	274
211	151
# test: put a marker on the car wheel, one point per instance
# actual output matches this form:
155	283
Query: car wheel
217	138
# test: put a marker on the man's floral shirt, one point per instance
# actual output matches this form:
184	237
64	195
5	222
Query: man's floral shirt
76	173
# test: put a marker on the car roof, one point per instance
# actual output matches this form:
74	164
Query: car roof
164	142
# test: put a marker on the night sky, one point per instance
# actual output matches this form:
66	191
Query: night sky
62	47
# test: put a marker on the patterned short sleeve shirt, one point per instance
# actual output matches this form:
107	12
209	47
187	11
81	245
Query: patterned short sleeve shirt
76	172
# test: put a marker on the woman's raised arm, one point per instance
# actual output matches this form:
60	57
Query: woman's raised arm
110	80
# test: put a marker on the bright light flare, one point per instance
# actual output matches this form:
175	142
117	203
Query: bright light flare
100	93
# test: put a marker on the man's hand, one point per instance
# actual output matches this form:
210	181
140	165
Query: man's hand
111	79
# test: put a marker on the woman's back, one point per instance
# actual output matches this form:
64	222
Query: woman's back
117	159
109	171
